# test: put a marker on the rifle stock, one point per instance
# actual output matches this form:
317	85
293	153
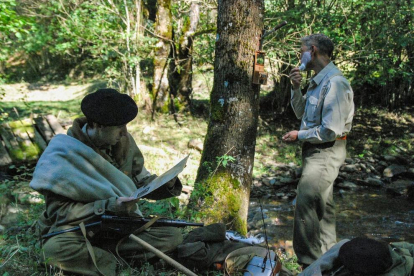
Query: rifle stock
122	226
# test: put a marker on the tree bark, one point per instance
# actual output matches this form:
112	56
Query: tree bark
223	189
181	69
410	55
163	28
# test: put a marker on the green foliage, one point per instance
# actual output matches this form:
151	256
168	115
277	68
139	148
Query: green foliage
12	25
13	29
3	114
99	37
107	33
223	160
165	208
18	244
204	49
220	161
374	40
290	263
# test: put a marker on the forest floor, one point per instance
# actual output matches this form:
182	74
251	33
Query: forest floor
377	134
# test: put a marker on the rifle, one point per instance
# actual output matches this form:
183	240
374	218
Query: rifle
122	226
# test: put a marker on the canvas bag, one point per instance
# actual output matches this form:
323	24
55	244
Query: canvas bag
239	260
206	246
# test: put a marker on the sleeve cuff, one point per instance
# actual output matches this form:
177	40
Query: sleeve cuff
177	188
113	207
99	207
295	91
301	135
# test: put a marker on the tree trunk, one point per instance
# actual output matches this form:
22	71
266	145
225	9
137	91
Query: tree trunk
278	100
181	68
222	187
409	82
163	29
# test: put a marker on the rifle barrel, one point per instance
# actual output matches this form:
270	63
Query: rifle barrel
159	222
73	229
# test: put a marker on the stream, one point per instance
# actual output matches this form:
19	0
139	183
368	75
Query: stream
366	212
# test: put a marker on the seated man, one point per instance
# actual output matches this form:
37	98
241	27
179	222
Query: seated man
93	170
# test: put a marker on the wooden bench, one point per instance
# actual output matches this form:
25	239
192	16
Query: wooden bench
23	141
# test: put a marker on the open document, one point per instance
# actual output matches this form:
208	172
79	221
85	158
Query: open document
161	180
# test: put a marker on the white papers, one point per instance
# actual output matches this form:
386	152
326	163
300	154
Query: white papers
161	180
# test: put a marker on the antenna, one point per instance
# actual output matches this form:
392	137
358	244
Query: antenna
267	244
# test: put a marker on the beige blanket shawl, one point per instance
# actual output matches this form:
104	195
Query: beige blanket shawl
71	169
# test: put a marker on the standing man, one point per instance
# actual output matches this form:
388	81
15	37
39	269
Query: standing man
326	111
91	171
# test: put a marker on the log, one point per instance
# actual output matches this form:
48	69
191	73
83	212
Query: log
54	125
11	144
44	129
33	135
5	159
30	131
30	149
24	140
8	137
38	139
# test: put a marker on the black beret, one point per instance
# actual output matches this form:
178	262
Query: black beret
366	256
108	107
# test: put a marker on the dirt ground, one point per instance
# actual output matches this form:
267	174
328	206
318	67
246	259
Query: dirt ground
43	92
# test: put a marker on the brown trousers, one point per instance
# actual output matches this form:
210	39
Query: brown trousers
314	229
69	252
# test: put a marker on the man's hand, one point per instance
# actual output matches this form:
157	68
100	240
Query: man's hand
291	136
126	204
296	78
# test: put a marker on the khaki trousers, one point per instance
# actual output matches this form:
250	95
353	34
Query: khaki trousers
314	229
69	253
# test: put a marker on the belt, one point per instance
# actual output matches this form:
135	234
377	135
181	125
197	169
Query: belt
307	145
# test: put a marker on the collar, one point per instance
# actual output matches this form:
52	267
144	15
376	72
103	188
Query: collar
85	131
325	71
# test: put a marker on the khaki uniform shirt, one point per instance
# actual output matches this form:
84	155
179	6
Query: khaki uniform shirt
326	109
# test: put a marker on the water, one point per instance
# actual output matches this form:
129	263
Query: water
366	212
